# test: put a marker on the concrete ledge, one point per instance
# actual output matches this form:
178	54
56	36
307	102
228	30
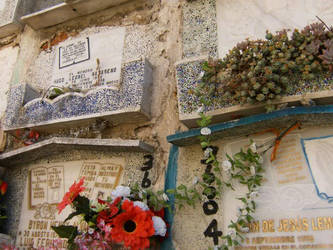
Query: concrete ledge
56	145
67	10
308	116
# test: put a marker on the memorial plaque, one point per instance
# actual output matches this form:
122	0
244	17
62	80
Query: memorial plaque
290	213
91	61
46	187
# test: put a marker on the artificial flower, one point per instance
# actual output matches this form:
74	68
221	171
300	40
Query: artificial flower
3	187
133	226
70	196
159	213
165	197
141	205
253	147
226	165
159	226
205	131
120	191
207	152
107	215
253	195
201	75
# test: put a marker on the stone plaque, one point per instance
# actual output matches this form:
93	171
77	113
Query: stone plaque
291	214
238	20
46	187
88	62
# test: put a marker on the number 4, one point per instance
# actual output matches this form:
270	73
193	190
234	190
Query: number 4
212	231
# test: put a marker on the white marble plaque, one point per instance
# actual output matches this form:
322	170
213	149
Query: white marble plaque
290	213
239	19
46	186
91	61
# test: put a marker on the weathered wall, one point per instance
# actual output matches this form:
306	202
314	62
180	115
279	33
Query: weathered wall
165	32
8	56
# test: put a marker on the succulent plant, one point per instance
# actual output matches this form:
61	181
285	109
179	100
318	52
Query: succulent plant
263	70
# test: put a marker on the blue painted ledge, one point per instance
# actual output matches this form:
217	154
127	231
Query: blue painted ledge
314	115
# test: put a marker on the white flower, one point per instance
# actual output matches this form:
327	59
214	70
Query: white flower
120	191
226	165
91	231
253	195
141	205
216	247
245	229
195	180
253	147
165	197
207	152
205	131
202	73
200	109
252	170
141	194
232	233
261	160
159	226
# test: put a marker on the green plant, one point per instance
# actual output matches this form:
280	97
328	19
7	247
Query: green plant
264	70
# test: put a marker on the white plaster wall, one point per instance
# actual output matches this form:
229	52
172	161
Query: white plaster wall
241	19
8	58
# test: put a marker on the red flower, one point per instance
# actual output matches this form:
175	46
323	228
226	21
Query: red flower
108	214
133	226
70	196
3	187
159	213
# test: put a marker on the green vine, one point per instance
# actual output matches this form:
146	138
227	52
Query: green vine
244	167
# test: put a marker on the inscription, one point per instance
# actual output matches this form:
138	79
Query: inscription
146	182
210	207
46	185
73	53
289	165
99	178
86	63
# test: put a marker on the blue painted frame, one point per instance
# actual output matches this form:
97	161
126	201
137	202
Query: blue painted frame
321	195
327	109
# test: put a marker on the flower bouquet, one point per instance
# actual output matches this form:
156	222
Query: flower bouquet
132	217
